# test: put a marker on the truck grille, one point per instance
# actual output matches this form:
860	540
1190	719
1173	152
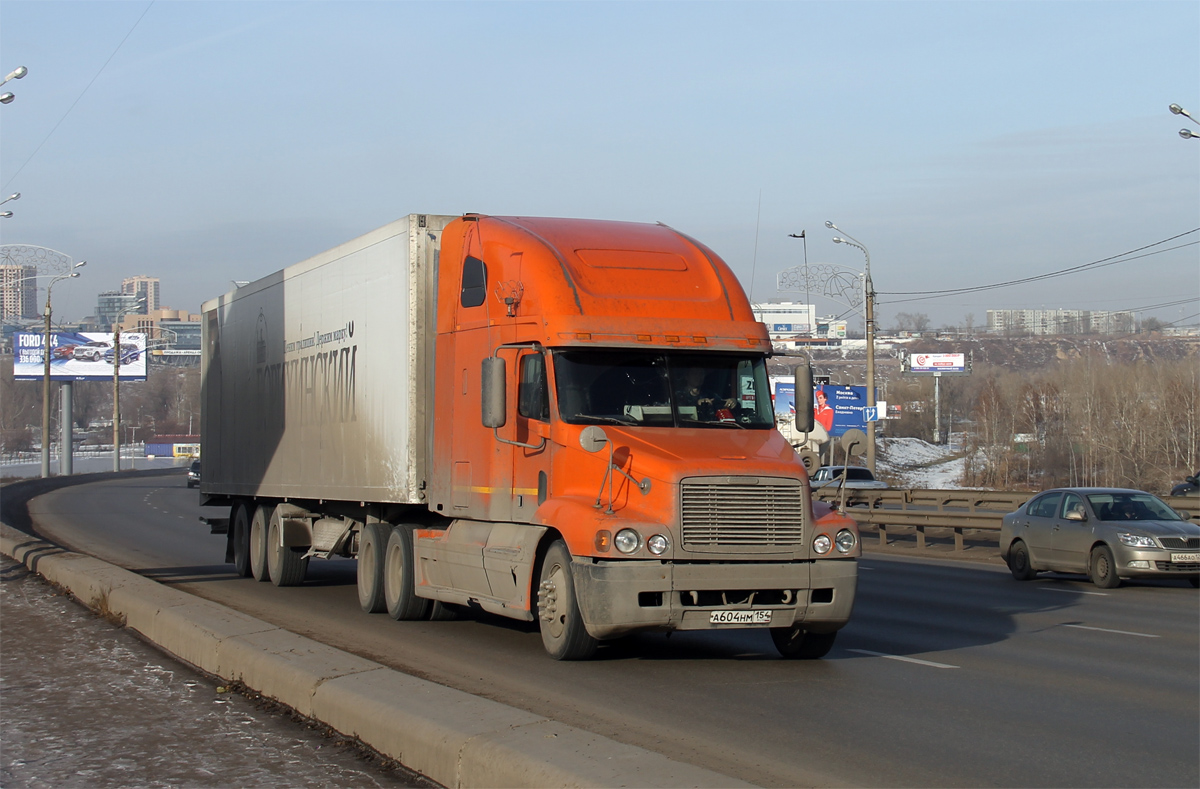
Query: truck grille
737	511
1187	543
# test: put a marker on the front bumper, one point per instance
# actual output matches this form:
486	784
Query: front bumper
618	597
1155	562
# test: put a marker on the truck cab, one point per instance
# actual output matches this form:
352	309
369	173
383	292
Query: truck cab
605	384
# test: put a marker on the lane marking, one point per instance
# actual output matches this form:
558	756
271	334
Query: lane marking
1106	630
1071	591
929	663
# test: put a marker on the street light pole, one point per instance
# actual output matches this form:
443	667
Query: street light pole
869	298
46	372
116	382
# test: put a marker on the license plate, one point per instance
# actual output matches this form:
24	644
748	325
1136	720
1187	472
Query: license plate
739	617
1185	557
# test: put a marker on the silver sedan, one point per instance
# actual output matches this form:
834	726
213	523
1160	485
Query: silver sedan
1108	533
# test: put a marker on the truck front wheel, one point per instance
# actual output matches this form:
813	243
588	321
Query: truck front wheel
563	631
796	642
372	542
285	564
398	587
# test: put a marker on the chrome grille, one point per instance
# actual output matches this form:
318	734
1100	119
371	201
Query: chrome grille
1186	543
735	511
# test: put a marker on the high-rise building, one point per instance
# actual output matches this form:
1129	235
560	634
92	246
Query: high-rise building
18	292
144	288
111	303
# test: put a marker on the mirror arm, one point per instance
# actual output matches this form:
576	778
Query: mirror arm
496	433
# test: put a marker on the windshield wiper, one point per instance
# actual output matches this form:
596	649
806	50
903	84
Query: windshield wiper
607	420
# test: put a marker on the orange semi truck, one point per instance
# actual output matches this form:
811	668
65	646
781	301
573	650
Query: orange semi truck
554	420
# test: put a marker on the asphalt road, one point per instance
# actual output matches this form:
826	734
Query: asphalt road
950	674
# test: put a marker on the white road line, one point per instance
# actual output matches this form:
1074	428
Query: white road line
1106	630
929	663
1071	591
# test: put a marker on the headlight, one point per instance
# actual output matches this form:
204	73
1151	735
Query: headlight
658	544
627	541
845	541
822	543
1137	540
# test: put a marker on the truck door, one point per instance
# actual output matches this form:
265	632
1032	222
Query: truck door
531	463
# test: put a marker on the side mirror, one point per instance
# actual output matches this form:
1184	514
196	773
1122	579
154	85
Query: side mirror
803	397
854	442
593	438
493	388
1076	515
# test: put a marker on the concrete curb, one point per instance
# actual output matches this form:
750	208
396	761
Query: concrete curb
454	738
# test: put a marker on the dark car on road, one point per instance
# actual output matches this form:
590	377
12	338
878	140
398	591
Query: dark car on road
1108	533
857	478
1189	487
193	474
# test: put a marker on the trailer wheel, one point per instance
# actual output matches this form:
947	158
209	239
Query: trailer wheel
563	633
796	642
258	542
371	546
240	534
285	564
399	591
444	612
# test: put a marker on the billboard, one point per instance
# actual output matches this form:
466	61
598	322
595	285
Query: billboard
836	408
79	356
937	363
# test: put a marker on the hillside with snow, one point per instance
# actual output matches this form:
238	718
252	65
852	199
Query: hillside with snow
913	463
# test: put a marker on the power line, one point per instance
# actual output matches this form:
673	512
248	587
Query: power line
1124	257
81	95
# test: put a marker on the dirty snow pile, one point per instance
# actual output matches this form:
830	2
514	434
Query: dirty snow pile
913	463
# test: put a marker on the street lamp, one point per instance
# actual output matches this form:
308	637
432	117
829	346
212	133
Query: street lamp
1185	133
17	73
46	373
13	196
869	298
116	381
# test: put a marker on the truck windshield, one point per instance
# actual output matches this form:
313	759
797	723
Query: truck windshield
709	390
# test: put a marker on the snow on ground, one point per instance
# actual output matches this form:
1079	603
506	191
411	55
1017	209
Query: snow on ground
913	463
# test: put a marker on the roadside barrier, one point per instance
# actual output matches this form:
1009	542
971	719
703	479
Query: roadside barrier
980	510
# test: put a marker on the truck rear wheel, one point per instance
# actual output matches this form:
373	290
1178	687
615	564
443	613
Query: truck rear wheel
563	633
258	542
398	585
796	642
372	543
285	564
240	534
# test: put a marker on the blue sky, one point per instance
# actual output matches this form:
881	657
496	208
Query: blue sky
963	143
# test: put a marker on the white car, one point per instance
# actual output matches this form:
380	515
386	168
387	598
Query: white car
857	478
92	351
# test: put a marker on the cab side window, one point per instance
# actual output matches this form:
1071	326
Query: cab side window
533	399
474	282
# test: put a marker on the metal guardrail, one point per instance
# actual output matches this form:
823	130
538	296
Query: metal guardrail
980	510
